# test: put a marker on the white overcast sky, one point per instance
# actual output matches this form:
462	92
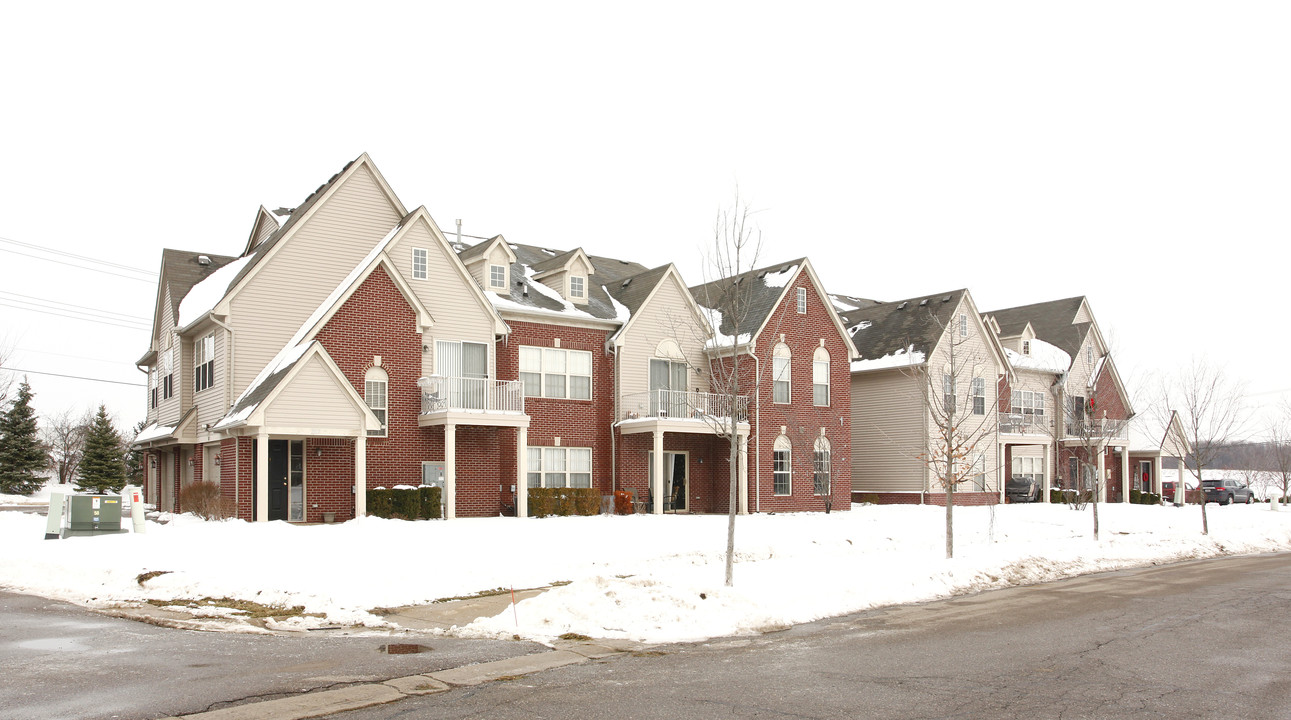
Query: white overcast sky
1136	153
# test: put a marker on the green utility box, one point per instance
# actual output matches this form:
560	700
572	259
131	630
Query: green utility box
93	515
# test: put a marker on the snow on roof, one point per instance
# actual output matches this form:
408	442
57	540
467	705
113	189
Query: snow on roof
155	432
901	358
720	339
206	294
567	308
621	312
1044	357
779	278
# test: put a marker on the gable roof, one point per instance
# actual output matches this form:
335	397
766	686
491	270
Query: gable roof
635	292
896	328
763	287
180	271
1052	321
477	251
252	403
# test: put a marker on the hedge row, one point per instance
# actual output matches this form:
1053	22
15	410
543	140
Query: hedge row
564	501
421	503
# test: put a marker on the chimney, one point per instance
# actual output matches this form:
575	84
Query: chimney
459	231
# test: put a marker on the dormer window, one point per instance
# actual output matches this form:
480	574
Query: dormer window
577	287
498	276
1026	347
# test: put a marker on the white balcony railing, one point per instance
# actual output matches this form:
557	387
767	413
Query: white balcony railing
472	395
1022	423
685	404
1104	428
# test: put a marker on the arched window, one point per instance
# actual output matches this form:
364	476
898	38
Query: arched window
782	466
821	467
780	373
376	384
820	377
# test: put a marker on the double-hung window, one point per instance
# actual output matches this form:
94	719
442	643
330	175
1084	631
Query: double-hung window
820	378
780	374
979	396
168	373
152	388
418	264
376	385
802	301
820	467
204	363
963	325
556	373
558	467
1027	402
782	466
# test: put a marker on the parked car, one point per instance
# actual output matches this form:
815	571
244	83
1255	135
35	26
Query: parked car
1167	491
1022	489
1227	492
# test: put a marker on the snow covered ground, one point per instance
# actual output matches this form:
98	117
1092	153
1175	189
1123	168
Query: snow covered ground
648	578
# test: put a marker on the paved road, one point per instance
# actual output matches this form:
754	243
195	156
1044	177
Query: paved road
1179	641
60	661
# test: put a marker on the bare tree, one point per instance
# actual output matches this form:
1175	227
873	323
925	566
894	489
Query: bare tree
6	375
1279	453
65	436
952	389
1212	412
736	246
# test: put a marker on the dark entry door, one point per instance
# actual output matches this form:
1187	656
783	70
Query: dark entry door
277	479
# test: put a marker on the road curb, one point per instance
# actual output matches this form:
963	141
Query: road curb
510	667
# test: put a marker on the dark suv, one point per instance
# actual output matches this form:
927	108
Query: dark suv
1022	489
1226	492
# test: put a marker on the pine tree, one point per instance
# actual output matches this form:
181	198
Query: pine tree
103	466
22	456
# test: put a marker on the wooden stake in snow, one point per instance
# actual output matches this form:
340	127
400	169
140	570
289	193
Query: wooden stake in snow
515	614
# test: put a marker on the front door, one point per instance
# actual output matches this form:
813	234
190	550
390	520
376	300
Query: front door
1145	476
278	455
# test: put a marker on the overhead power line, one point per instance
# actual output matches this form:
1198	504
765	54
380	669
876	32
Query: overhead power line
86	258
81	267
102	321
32	299
73	377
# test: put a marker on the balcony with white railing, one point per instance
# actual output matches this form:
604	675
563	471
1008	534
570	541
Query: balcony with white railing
1103	429
1025	423
471	401
683	411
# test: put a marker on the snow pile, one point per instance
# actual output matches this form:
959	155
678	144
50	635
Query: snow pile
40	497
650	578
904	357
1044	357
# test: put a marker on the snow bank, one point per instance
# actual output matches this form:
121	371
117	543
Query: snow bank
648	578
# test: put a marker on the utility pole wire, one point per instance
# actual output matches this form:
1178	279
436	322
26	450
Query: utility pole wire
73	377
78	257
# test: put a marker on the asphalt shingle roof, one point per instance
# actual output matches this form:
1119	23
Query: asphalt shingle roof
1052	322
606	272
181	270
891	328
761	297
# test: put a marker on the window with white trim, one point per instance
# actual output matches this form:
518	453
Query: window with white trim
1026	347
979	472
152	388
1089	354
1031	468
558	467
556	373
782	466
419	263
376	384
204	363
497	276
780	373
979	396
820	378
577	286
1027	402
963	325
168	374
821	466
802	301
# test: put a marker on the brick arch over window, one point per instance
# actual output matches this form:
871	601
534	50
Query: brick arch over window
820	377
782	466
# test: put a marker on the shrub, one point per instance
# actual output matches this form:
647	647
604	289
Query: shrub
203	499
563	501
406	503
431	498
1136	497
586	501
623	503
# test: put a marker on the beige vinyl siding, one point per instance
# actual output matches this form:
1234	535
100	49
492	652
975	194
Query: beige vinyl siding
313	399
265	228
887	431
305	269
1082	314
666	316
1078	377
556	281
452	300
479	269
974	358
169	411
497	257
211	401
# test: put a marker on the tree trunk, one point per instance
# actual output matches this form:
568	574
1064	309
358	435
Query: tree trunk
730	519
950	506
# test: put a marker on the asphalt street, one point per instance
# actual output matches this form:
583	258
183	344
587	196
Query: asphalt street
61	661
1191	640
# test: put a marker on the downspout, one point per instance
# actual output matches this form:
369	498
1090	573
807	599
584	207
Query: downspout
614	447
757	438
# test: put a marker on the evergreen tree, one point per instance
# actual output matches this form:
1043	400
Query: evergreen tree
133	455
103	466
22	456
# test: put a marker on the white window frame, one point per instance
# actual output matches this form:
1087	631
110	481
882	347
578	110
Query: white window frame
420	263
1026	347
802	300
578	287
376	393
204	363
554	467
548	370
821	467
963	325
979	472
781	375
1027	402
168	374
782	466
820	378
1031	468
497	276
978	387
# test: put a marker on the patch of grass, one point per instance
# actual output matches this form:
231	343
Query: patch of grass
145	577
507	678
252	609
575	636
648	653
481	594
